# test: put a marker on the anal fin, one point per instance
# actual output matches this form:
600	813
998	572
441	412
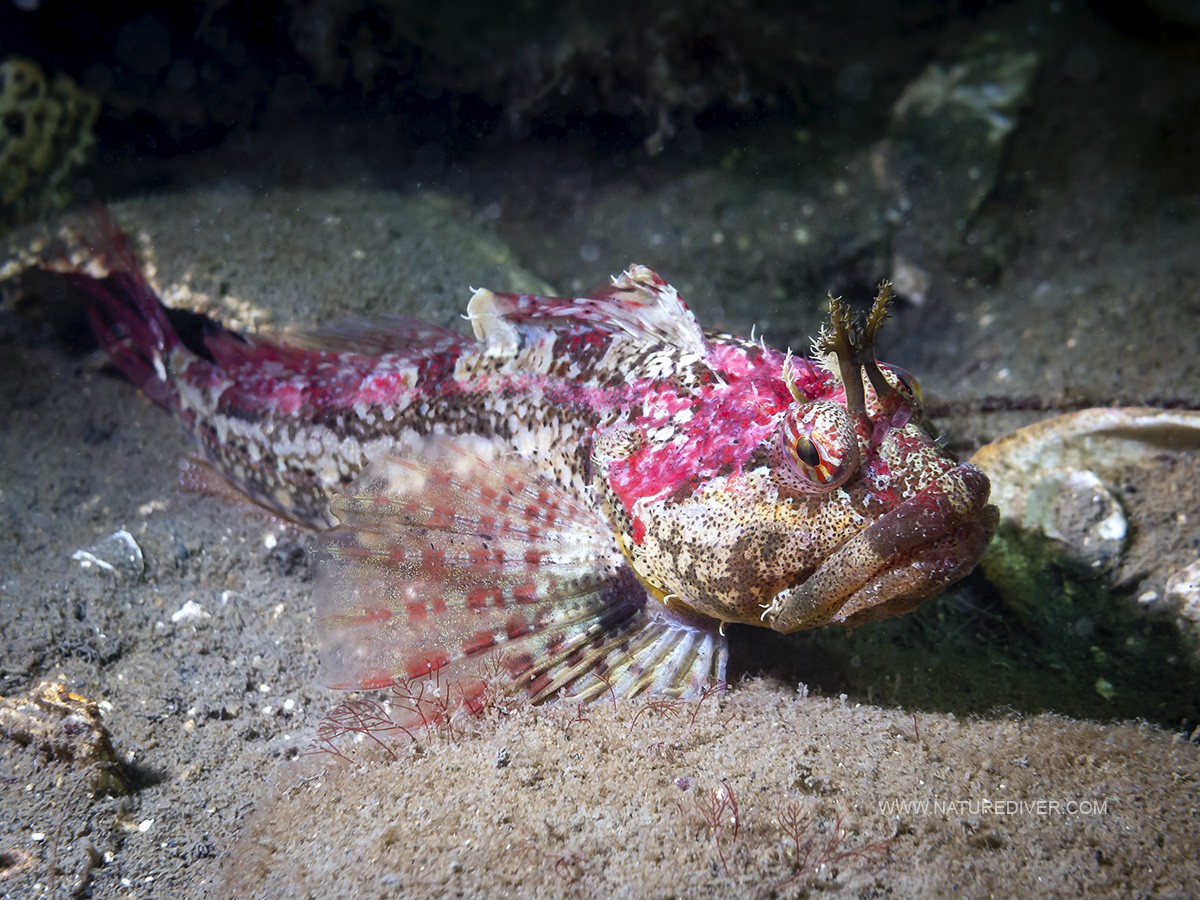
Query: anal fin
200	476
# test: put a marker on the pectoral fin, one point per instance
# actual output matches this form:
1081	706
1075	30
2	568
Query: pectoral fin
443	558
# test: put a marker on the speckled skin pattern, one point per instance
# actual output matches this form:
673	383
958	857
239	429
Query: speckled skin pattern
669	481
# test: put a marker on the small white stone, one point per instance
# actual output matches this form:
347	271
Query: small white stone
190	610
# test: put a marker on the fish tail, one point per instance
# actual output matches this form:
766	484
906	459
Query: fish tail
127	316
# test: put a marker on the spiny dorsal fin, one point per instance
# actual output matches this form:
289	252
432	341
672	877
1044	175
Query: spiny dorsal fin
639	304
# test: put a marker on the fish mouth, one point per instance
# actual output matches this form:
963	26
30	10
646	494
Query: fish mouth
901	559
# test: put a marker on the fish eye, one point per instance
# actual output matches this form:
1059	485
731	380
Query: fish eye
906	386
820	448
807	452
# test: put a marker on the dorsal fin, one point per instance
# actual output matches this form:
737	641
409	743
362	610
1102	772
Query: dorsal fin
372	335
298	351
639	304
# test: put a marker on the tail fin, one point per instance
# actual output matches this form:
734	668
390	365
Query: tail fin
126	314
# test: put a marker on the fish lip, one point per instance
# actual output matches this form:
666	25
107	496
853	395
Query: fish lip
929	570
936	537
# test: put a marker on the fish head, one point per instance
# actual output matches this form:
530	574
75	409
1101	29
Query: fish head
799	494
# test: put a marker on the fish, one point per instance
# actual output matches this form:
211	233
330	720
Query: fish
585	491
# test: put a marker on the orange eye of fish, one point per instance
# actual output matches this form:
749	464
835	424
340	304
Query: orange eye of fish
820	447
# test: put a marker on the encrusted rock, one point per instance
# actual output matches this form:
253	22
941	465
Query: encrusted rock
65	726
45	133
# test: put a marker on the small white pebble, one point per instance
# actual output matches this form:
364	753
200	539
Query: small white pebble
190	610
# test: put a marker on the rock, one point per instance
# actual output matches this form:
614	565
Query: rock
67	727
943	152
118	553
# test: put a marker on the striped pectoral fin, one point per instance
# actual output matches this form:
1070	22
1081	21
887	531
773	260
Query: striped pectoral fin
652	651
444	560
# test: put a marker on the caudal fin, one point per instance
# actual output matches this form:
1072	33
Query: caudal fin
126	314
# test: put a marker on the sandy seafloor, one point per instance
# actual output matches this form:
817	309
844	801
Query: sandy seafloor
1021	776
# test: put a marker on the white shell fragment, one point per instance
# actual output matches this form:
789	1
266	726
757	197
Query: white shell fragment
1078	510
190	611
118	553
1183	595
1100	441
1054	475
1057	478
